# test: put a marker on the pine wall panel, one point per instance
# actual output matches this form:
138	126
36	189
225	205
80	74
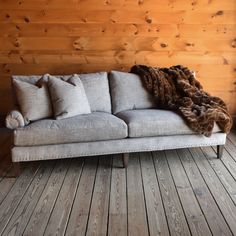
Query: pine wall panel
73	36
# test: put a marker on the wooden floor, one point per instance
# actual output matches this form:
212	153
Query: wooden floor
178	192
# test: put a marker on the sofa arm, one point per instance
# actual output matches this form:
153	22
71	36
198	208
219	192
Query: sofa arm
15	120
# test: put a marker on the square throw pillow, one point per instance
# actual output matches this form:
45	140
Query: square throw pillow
68	97
33	99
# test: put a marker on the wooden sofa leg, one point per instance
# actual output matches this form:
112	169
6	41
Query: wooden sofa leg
125	157
220	149
17	168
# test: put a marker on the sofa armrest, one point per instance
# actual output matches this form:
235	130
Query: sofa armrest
15	120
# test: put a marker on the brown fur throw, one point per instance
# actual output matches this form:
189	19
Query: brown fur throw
175	88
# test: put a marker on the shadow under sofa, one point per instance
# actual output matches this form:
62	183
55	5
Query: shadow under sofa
123	120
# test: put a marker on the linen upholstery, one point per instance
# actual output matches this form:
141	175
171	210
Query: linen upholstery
114	146
96	87
68	97
127	92
33	99
82	128
155	122
15	120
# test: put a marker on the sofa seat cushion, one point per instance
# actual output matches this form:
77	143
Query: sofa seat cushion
82	128
155	122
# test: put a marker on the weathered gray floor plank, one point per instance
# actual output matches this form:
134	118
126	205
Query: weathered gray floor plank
208	205
232	137
137	219
118	201
174	212
228	161
97	222
182	192
155	210
5	186
61	212
44	207
225	177
196	220
221	196
10	203
231	149
23	213
80	210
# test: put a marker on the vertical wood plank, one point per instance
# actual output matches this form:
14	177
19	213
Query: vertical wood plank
156	215
81	206
137	219
11	202
24	210
118	201
225	177
5	186
196	220
39	218
174	212
61	212
229	162
231	149
221	196
209	207
97	222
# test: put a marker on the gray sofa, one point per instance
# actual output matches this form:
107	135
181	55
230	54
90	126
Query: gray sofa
123	120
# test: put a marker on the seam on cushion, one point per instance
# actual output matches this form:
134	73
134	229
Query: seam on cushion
126	151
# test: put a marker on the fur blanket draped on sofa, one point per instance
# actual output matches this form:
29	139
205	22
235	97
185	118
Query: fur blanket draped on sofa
176	88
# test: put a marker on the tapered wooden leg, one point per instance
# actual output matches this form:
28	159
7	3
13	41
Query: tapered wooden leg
125	157
220	149
17	168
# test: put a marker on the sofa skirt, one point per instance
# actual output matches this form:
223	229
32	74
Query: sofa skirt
128	145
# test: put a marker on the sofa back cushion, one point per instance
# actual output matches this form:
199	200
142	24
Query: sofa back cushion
128	92
96	87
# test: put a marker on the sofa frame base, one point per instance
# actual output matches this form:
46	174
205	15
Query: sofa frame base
125	159
125	146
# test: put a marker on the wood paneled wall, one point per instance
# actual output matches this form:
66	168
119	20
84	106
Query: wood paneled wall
72	36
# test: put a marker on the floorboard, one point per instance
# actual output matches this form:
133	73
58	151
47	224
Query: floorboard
22	215
98	217
13	198
118	200
206	201
39	219
218	191
155	210
223	174
175	215
61	212
173	192
81	206
137	218
196	220
228	161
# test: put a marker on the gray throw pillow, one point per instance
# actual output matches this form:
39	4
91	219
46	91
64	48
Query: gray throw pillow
33	99
68	97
